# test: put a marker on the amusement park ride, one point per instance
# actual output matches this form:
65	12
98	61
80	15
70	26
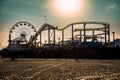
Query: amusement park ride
24	33
23	37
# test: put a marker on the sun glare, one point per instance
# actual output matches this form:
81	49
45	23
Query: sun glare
69	7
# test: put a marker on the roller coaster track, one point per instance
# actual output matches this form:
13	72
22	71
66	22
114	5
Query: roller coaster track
89	29
46	26
42	28
87	22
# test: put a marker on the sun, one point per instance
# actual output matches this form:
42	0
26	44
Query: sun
68	7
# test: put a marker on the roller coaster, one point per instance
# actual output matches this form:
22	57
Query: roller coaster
90	36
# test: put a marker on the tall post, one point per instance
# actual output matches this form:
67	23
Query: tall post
35	44
63	36
108	32
93	37
54	36
113	36
105	35
80	38
84	26
48	35
72	35
40	39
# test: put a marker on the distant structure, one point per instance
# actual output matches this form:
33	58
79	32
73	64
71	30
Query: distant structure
24	34
105	32
20	34
89	39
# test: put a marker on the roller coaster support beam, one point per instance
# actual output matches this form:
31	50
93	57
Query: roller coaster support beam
105	34
93	36
54	36
48	34
109	33
84	26
80	37
93	33
63	36
40	39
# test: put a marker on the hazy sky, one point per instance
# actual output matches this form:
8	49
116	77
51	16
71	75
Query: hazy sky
33	11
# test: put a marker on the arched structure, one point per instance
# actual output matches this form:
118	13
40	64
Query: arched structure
105	31
43	28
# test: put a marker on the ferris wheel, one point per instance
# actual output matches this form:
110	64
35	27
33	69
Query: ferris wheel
21	32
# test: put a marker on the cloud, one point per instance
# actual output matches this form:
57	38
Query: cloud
111	6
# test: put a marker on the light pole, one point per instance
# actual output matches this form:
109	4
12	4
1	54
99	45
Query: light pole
113	36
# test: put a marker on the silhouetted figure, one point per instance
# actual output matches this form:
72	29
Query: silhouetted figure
13	58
